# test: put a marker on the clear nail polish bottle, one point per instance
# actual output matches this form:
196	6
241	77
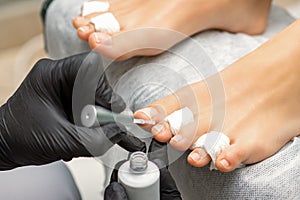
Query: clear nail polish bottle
140	178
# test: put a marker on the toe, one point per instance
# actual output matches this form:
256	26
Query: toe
186	136
198	158
131	42
146	114
103	43
161	132
80	21
85	31
231	157
84	21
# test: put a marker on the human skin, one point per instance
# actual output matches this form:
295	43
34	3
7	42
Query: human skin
186	17
261	105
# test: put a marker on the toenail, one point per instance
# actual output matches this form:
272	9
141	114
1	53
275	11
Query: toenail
97	38
177	138
149	112
102	39
84	29
158	128
198	156
225	163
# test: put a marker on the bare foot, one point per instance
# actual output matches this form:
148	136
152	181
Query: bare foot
262	95
186	17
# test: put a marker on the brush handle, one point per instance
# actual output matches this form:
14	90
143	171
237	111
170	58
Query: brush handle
93	115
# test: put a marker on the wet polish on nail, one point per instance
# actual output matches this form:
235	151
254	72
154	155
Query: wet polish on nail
158	128
149	112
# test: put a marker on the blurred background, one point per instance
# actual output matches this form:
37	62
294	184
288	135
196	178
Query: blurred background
21	41
22	45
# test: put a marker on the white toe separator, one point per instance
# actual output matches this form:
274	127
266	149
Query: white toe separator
90	7
213	143
106	23
179	118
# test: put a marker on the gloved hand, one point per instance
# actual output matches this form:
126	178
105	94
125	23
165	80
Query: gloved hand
37	122
168	188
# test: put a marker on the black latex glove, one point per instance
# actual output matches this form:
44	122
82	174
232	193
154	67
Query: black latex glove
37	122
168	188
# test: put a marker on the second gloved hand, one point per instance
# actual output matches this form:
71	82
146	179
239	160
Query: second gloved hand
37	122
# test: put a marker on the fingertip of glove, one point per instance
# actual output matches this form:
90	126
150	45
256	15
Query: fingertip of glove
117	103
114	132
115	191
132	144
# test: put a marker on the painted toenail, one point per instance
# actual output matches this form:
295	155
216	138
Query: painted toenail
225	163
149	112
198	156
158	128
84	29
177	138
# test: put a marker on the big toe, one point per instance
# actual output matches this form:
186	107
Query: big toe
107	46
161	131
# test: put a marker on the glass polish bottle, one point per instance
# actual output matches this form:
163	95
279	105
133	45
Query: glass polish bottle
140	178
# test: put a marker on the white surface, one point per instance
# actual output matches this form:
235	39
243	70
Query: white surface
293	6
89	176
